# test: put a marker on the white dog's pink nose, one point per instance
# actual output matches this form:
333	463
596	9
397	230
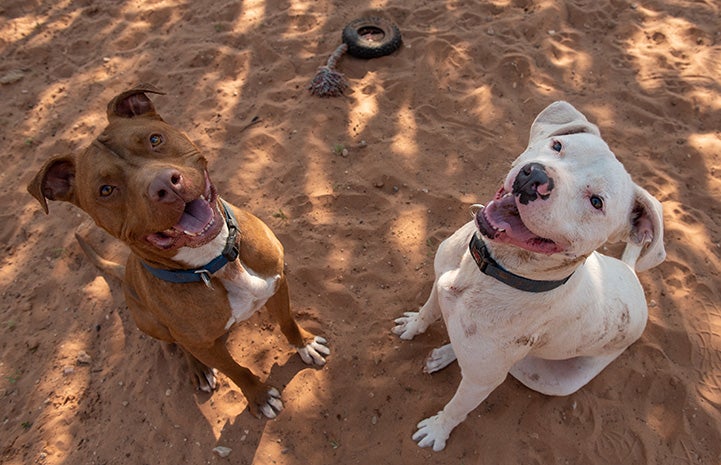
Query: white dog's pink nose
531	183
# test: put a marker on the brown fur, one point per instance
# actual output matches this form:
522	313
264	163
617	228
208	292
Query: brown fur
191	315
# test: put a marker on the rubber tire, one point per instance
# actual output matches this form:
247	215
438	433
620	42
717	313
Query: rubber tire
363	48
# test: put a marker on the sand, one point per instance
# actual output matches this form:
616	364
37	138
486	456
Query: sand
427	132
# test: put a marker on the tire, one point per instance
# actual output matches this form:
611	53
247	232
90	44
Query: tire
371	37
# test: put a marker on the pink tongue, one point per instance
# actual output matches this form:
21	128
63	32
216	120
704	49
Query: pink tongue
503	214
196	217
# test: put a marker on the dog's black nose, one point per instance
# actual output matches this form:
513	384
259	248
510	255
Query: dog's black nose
531	183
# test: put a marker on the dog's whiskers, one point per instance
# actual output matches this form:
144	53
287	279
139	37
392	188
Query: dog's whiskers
190	152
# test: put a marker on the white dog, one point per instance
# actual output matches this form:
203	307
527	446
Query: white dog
521	288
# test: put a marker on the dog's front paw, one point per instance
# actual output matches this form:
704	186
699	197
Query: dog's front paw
272	404
409	325
439	358
207	380
432	432
203	377
313	353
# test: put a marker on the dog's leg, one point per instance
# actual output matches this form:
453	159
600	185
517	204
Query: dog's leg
412	324
262	398
310	348
434	431
439	358
202	375
560	377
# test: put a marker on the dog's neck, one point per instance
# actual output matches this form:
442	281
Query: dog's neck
533	265
205	260
193	257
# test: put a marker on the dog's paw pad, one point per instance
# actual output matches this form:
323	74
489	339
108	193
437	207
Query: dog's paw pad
432	433
273	405
409	325
313	353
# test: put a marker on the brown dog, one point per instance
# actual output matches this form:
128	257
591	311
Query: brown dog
197	264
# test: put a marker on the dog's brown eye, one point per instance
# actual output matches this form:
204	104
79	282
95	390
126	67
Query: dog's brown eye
156	139
596	202
106	190
557	146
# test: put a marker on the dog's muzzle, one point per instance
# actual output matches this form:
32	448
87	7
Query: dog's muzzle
531	183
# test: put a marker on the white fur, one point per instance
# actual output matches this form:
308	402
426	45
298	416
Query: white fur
274	405
195	257
553	342
247	291
313	352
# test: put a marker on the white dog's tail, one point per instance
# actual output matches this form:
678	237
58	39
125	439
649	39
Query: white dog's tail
631	254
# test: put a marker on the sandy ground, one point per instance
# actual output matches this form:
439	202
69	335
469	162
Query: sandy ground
427	131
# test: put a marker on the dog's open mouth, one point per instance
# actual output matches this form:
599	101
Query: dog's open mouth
501	221
199	223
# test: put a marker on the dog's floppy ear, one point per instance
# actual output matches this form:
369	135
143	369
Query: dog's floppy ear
54	181
646	227
558	119
134	102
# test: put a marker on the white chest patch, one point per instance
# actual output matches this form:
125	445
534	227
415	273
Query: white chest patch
198	256
247	291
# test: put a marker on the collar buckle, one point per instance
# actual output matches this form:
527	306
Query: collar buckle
205	276
231	250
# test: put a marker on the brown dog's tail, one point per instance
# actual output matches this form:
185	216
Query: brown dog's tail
116	270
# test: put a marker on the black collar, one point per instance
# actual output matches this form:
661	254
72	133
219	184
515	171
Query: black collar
202	274
490	267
